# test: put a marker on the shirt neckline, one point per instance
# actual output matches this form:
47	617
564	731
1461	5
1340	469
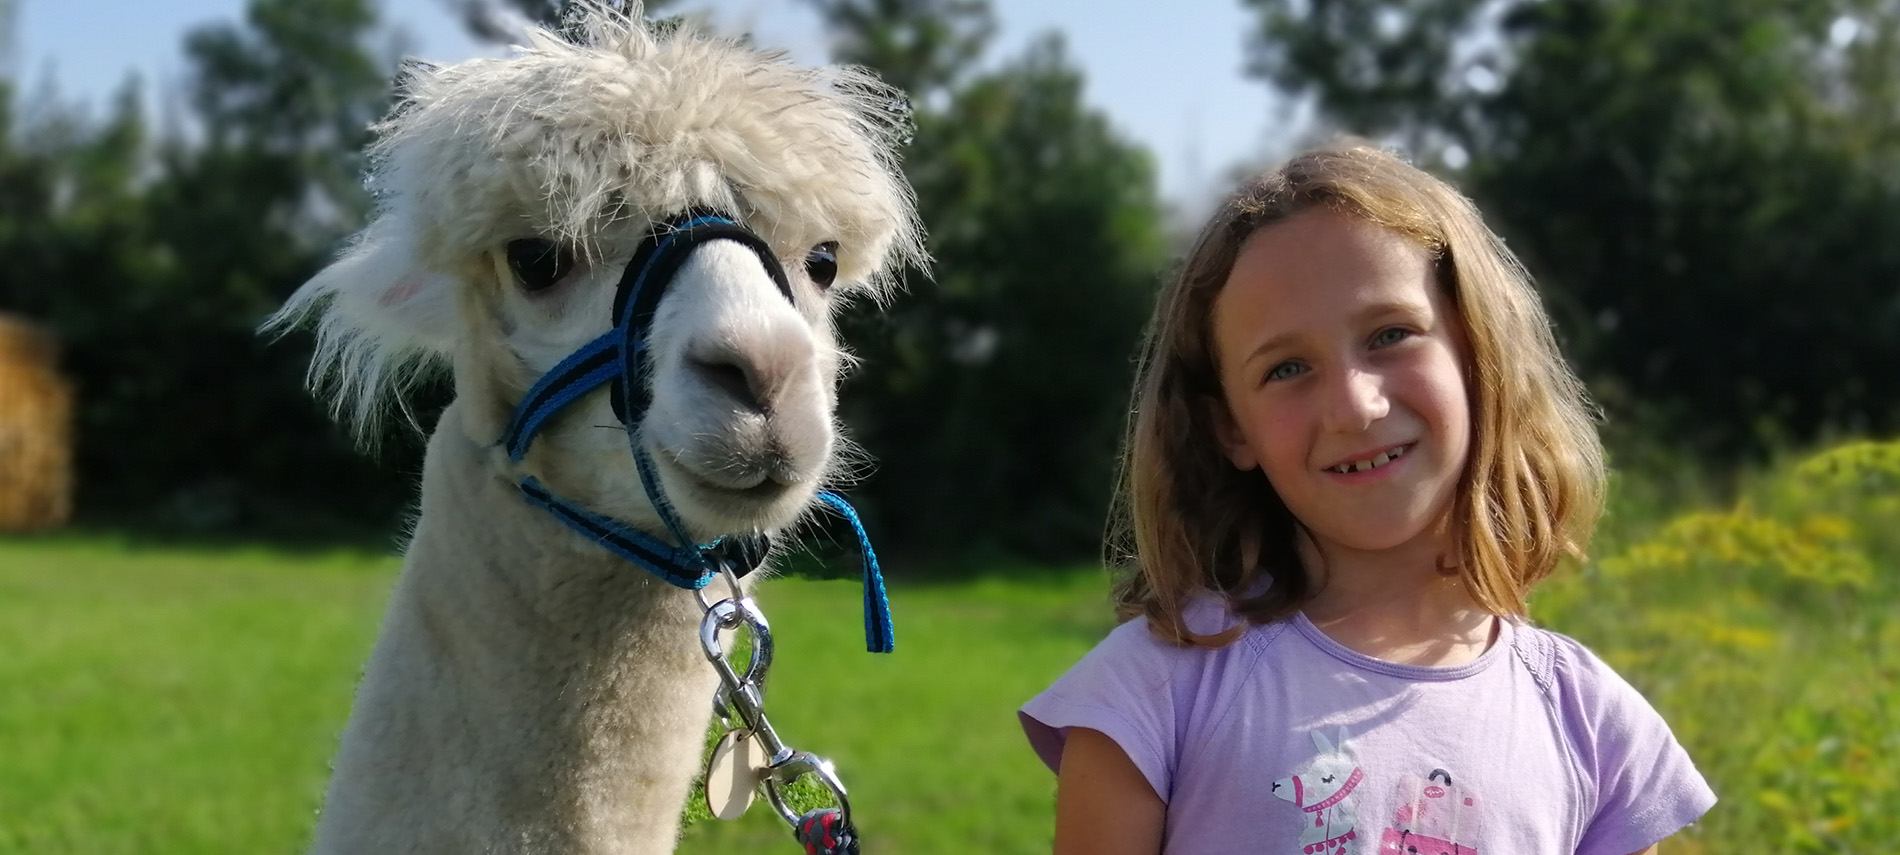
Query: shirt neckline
1506	635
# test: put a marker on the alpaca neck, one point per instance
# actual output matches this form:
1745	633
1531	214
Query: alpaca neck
531	689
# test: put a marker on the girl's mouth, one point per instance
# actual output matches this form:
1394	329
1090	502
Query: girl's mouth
1372	462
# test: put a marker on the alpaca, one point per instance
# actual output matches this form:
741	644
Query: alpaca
1323	790
530	691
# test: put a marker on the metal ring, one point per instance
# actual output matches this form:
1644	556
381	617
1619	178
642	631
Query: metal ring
800	764
724	565
732	579
730	614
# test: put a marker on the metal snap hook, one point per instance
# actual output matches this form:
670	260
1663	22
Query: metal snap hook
732	614
798	765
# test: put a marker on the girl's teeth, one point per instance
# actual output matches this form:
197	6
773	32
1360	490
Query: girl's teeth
1374	463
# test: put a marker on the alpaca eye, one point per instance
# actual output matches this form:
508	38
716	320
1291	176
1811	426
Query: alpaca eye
538	263
821	264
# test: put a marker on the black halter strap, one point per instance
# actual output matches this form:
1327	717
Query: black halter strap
665	250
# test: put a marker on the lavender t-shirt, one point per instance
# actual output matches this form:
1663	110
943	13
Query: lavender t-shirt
1288	743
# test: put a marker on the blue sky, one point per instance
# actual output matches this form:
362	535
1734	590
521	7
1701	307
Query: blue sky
1172	82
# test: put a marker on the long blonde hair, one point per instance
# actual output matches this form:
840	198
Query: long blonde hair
1188	521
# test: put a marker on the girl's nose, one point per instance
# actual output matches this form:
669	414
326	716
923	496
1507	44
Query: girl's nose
1358	399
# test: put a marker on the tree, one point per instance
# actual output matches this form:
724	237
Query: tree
992	393
156	257
499	20
1706	188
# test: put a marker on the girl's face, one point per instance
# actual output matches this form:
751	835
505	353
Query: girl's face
1341	363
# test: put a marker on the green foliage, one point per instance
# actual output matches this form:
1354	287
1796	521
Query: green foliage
1766	633
155	256
1706	188
991	394
924	47
544	12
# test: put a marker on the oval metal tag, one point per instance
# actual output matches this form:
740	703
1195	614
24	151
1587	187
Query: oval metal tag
732	774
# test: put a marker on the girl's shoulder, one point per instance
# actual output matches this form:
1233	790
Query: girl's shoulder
1146	693
1639	782
1568	672
1600	712
1203	614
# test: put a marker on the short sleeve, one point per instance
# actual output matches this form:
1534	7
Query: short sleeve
1647	787
1122	688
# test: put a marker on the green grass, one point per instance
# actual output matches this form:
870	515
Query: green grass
178	700
926	738
185	701
175	702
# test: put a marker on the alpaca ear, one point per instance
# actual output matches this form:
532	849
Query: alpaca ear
1343	736
1320	744
376	289
380	316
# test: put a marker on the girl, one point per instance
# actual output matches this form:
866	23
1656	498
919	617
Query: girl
1355	449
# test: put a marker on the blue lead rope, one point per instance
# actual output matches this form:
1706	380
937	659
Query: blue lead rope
879	636
651	554
674	564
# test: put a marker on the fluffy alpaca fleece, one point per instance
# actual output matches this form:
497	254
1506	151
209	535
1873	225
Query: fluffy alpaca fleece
529	692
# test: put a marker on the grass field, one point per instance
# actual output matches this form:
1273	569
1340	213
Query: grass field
187	701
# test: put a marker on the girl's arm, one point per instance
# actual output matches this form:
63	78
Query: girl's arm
1103	804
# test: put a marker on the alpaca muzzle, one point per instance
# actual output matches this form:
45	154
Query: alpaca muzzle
618	359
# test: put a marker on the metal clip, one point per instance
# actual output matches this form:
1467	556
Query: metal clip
798	765
745	695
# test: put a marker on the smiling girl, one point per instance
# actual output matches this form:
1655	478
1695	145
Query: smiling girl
1355	449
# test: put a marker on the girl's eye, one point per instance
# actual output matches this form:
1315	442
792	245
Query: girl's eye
821	264
1390	336
538	263
1284	371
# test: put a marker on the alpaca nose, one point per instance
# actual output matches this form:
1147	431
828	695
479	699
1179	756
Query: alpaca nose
755	376
727	373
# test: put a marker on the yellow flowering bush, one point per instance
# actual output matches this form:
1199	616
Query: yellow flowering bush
1819	551
1768	633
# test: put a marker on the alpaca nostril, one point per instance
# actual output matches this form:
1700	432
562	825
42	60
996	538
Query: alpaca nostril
732	379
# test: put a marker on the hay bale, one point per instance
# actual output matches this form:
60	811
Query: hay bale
36	420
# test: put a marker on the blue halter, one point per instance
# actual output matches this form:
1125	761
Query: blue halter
619	357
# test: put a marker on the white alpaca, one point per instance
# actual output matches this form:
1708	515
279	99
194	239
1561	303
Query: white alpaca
1323	791
530	692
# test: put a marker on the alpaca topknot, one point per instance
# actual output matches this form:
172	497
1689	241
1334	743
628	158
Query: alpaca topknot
584	135
614	119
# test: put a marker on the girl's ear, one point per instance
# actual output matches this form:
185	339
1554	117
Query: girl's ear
1232	441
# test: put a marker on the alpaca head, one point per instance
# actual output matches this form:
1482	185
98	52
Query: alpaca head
513	192
1326	779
